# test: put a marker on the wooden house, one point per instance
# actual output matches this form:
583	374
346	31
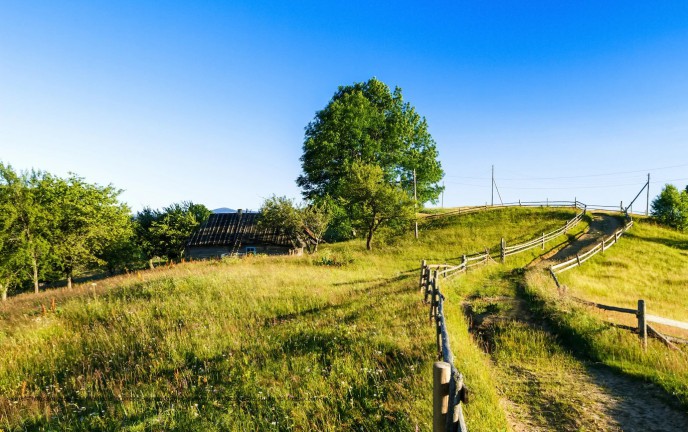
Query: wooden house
227	234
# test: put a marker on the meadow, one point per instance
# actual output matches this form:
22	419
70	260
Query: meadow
337	340
650	262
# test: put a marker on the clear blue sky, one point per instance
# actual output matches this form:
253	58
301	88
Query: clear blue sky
207	101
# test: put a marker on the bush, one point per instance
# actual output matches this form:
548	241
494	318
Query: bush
671	207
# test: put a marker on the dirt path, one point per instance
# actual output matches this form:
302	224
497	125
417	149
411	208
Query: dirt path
550	388
602	225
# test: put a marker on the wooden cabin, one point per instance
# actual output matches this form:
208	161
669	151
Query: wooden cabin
229	234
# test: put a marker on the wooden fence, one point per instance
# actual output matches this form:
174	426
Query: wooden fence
449	390
643	319
579	259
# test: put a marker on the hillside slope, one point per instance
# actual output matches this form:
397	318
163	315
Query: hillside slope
335	341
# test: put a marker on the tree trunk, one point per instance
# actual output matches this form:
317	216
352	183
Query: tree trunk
4	292
69	281
150	264
34	264
369	239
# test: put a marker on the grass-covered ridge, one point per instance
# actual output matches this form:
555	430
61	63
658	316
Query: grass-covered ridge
256	344
650	262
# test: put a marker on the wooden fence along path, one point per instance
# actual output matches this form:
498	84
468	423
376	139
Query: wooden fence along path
643	318
579	259
448	383
449	390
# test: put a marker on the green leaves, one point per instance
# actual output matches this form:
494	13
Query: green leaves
165	233
671	207
365	125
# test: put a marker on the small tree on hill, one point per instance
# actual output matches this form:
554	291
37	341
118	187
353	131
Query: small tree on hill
304	226
372	202
671	207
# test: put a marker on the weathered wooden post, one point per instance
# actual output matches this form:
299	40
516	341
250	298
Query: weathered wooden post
603	244
543	241
575	202
503	250
441	374
578	259
621	206
642	324
464	261
422	273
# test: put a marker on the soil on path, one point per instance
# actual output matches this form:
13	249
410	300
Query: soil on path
602	225
584	396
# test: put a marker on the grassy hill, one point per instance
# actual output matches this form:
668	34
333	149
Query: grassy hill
651	263
339	340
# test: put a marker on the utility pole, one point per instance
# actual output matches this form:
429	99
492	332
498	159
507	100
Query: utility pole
647	206
492	186
442	193
415	201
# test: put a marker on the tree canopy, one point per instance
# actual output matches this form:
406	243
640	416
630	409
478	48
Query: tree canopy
367	123
364	147
670	207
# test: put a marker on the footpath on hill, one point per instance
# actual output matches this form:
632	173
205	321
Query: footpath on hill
546	385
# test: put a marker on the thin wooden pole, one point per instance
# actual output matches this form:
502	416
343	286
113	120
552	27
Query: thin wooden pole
543	241
492	186
647	205
422	273
642	324
441	373
503	251
415	201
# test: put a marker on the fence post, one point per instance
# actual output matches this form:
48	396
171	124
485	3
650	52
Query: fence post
465	263
422	273
642	324
575	202
503	251
543	241
578	259
519	203
602	244
621	206
441	374
487	255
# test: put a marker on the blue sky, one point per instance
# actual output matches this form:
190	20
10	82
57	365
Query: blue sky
207	101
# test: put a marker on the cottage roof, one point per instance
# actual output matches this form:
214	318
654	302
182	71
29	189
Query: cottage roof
226	228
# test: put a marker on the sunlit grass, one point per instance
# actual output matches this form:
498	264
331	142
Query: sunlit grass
650	262
268	343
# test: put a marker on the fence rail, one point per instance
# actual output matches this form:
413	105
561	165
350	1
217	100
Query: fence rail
643	319
449	388
605	244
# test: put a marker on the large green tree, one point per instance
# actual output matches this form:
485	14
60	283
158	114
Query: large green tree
26	219
87	219
670	207
366	125
173	226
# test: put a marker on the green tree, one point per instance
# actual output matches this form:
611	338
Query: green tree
171	229
670	207
26	216
144	236
87	219
316	219
366	123
372	202
283	216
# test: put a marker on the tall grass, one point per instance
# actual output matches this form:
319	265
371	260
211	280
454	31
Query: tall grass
650	262
335	341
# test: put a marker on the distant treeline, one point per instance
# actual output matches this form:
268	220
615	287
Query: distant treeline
54	229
